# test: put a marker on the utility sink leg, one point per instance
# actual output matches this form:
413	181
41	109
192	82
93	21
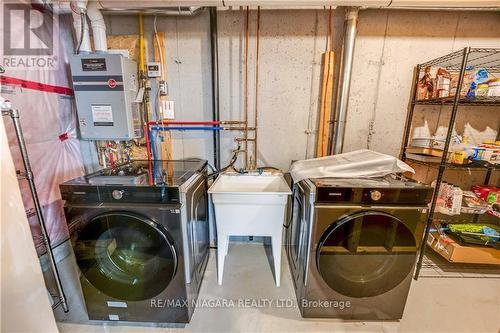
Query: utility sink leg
221	254
276	244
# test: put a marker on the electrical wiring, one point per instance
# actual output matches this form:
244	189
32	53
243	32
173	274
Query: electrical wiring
83	19
158	109
157	40
72	9
156	136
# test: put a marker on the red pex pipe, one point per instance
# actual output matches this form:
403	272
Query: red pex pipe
185	123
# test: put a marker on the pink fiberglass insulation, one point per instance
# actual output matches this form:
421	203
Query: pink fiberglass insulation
48	121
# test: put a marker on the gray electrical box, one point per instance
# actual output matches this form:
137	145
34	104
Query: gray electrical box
105	88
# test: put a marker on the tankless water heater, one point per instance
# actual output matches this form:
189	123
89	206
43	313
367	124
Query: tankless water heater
105	88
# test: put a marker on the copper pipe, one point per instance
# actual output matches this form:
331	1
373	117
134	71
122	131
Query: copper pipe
230	122
245	117
330	30
256	86
246	129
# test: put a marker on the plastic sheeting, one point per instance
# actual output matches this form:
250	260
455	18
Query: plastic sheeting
362	163
48	121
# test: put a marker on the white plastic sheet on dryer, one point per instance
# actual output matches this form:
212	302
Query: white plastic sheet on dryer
362	163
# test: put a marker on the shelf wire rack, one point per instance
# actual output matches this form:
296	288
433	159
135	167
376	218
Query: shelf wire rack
460	62
434	266
487	58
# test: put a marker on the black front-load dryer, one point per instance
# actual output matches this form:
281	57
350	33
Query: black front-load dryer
141	248
352	245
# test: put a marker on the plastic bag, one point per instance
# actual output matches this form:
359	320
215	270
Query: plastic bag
362	163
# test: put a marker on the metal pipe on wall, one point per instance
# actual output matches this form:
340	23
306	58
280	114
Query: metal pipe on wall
340	113
157	11
214	53
245	87
256	115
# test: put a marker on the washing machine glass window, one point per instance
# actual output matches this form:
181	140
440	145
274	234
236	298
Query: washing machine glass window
126	256
366	254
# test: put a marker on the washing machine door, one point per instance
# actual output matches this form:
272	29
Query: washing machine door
366	254
125	255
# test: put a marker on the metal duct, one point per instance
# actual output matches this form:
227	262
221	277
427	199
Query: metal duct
159	11
345	80
214	55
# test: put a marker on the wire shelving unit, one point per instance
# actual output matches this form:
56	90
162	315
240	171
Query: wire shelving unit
458	62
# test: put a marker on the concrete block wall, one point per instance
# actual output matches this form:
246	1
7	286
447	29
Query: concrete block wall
388	45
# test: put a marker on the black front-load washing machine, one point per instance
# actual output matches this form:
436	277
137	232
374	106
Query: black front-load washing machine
140	237
352	245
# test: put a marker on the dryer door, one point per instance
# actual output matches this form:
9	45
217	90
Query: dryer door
366	254
198	226
125	255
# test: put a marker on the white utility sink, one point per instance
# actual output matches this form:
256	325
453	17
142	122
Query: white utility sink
249	205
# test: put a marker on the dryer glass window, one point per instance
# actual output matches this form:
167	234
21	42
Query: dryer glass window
125	256
366	254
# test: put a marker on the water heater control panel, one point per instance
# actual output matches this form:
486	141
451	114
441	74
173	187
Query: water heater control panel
105	87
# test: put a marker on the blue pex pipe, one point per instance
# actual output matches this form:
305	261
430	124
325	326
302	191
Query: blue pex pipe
177	128
187	128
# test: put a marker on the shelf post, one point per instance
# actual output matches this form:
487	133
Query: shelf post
409	117
14	115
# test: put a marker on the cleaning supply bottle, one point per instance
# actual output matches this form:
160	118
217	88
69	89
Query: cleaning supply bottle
461	151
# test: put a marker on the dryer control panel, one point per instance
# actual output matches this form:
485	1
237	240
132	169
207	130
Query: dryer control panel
372	191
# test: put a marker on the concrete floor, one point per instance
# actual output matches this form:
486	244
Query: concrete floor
434	304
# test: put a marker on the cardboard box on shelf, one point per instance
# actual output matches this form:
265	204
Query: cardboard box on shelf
454	252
